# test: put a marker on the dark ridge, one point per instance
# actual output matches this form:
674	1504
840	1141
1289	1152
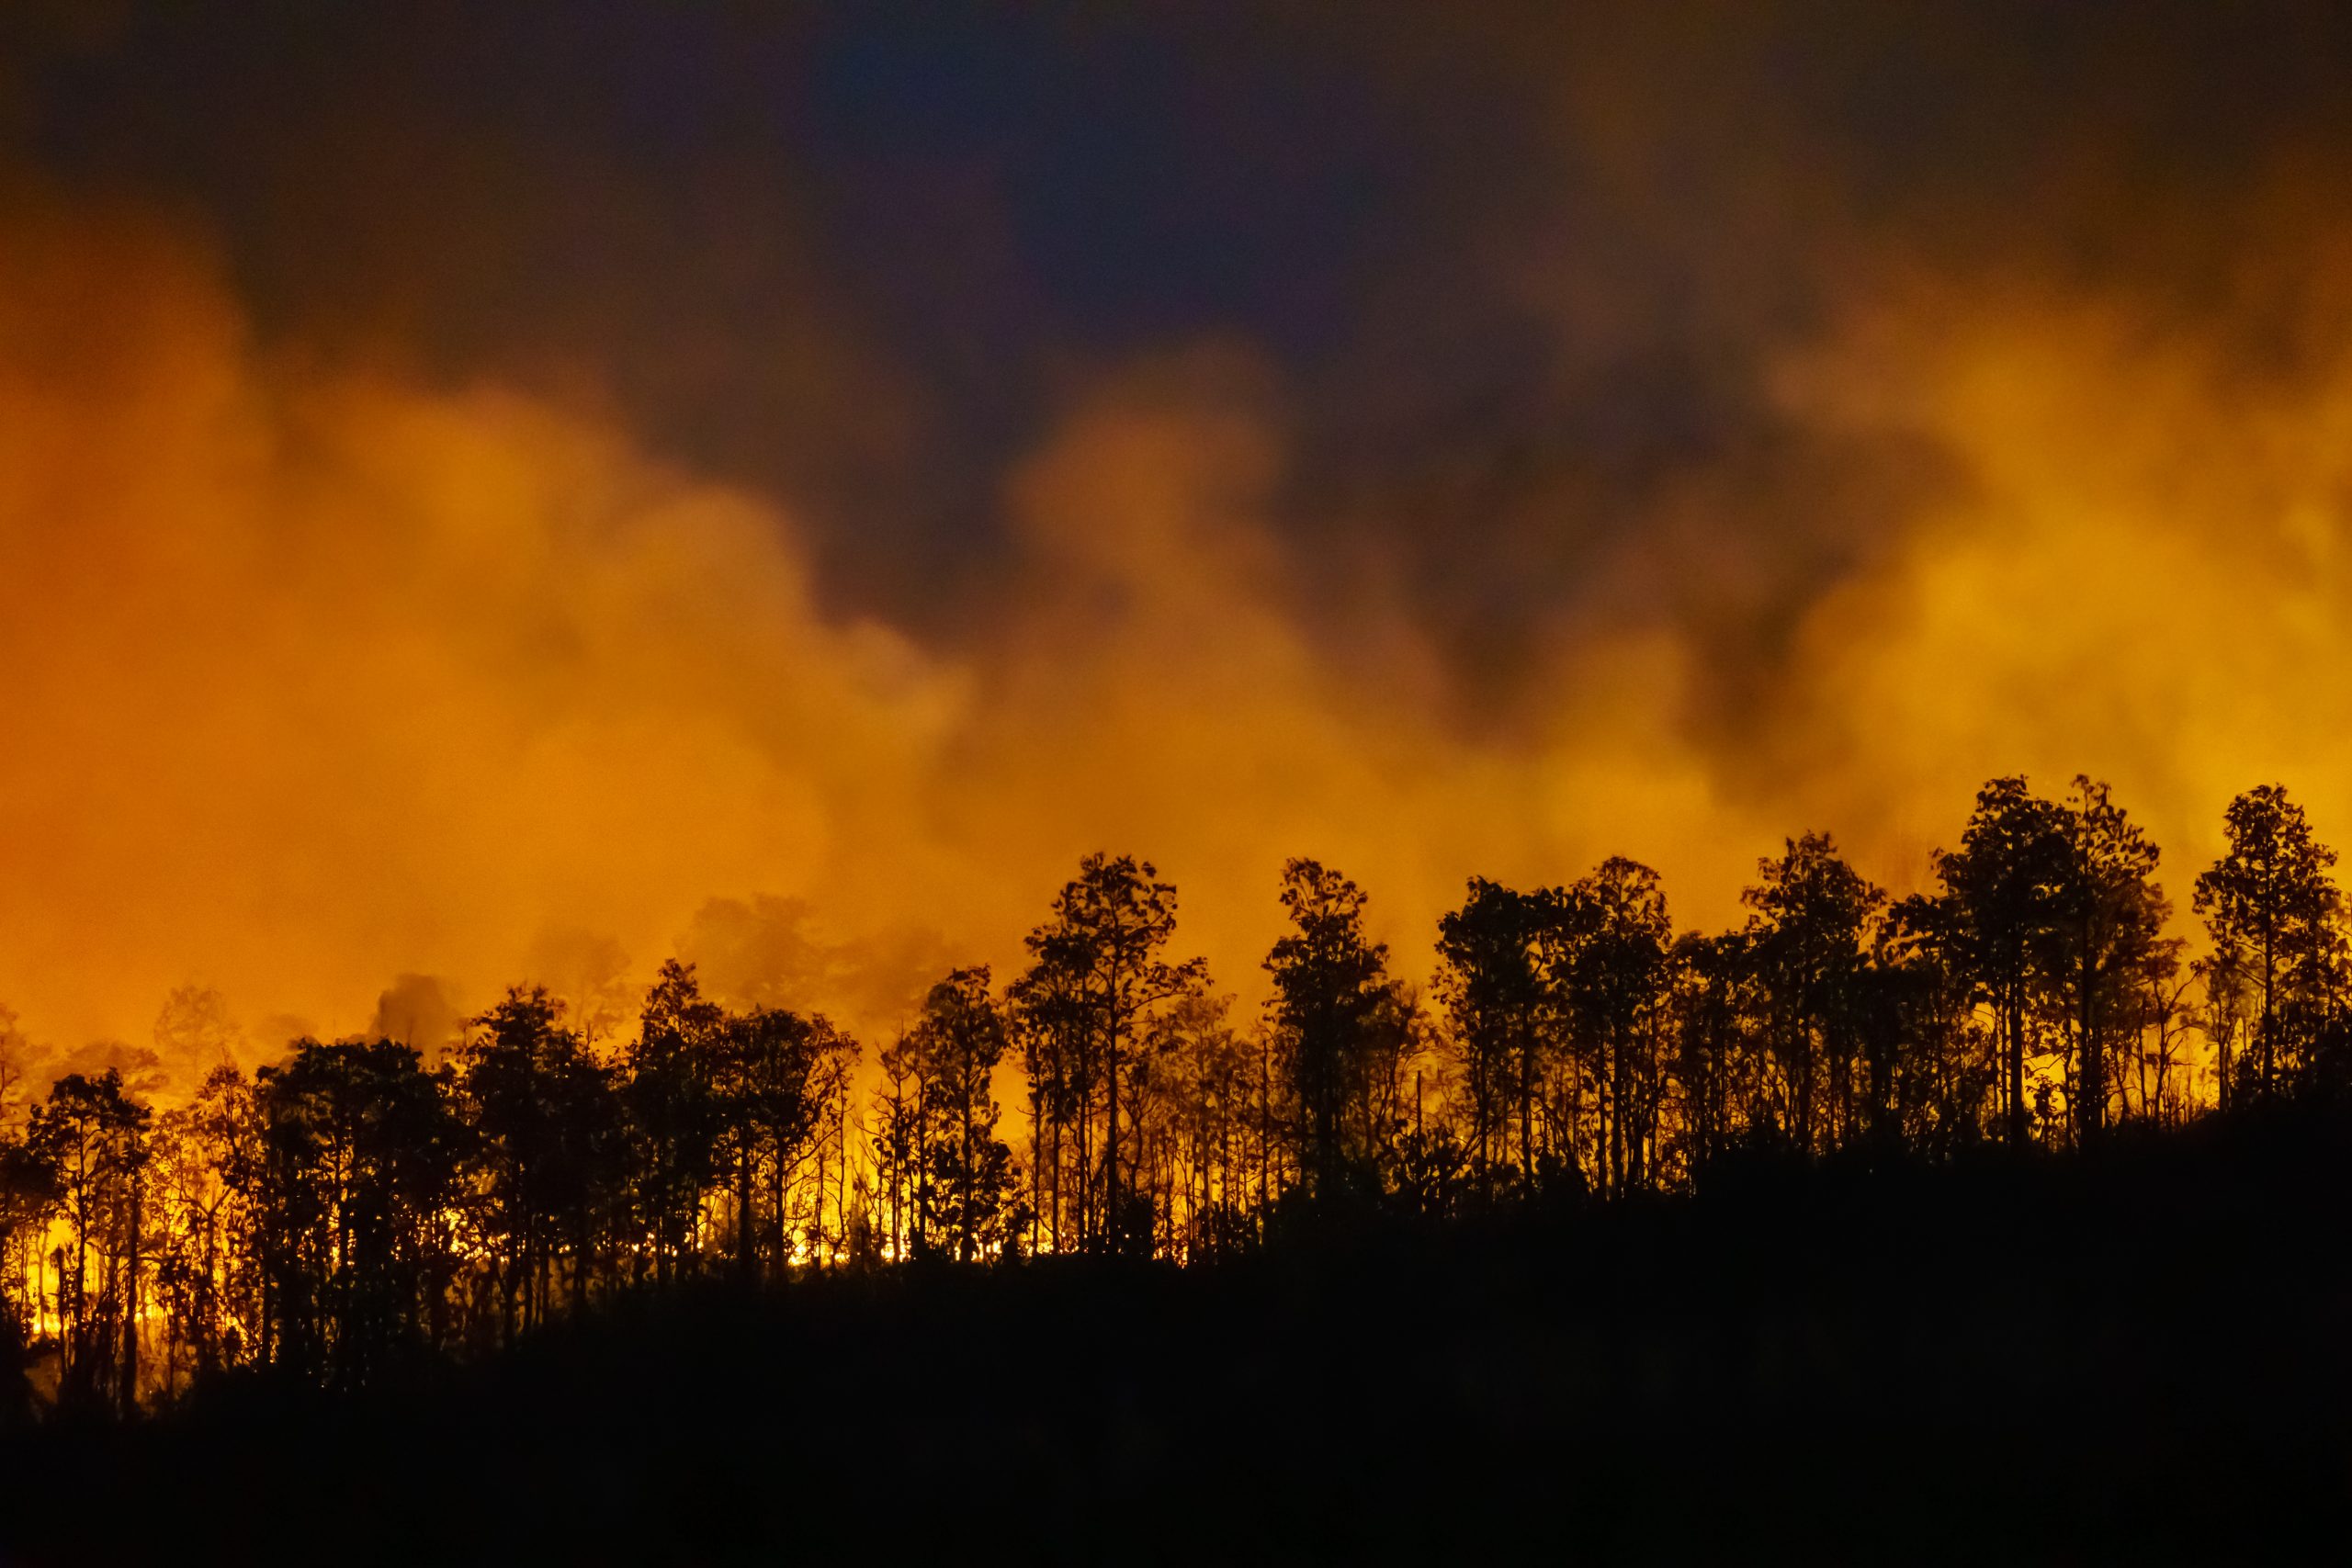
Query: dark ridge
2130	1356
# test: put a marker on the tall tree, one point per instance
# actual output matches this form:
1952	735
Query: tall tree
363	1148
2106	946
2006	883
1051	1014
780	1074
1495	993
1929	1044
954	1048
1333	1005
1713	1003
1614	984
1102	953
675	1114
1808	935
545	1115
210	1168
92	1135
29	1200
1202	1074
2272	911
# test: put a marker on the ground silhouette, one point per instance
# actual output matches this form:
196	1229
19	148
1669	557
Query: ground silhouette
1859	1358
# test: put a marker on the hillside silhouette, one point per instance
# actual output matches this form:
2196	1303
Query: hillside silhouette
2136	1356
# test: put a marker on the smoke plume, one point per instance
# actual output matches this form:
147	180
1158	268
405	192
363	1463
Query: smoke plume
1756	426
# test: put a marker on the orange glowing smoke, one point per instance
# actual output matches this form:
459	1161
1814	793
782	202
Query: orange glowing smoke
313	678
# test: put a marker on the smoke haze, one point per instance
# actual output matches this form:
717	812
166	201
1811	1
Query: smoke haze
469	515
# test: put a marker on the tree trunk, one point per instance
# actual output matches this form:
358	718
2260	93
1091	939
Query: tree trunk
2016	1028
130	1305
2091	1115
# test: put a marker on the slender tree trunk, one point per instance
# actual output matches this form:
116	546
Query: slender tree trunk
1527	1114
130	1299
966	1175
745	1251
1618	1086
2222	1073
2091	1115
2016	1029
1114	1219
2269	1018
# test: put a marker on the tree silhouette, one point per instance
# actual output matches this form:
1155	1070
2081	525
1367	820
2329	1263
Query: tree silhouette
209	1163
362	1153
1614	984
954	1049
780	1076
1497	994
1339	1021
1926	1042
2007	884
1203	1077
675	1115
1100	956
1051	1017
1808	937
92	1137
545	1148
2271	910
2106	948
348	1212
28	1202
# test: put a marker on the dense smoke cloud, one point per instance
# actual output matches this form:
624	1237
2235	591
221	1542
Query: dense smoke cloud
324	679
495	556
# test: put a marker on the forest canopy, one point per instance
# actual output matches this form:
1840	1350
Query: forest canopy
359	1206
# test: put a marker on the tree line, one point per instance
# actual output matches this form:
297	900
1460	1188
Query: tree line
353	1209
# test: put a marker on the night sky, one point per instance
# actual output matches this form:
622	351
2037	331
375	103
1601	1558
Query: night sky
857	256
